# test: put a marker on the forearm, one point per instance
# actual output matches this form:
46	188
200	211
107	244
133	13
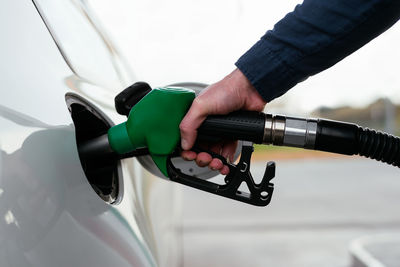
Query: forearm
312	38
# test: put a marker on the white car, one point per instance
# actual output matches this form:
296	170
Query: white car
59	76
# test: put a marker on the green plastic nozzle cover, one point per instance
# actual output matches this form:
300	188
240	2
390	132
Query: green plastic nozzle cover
153	123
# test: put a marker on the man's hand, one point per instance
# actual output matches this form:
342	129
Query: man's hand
232	93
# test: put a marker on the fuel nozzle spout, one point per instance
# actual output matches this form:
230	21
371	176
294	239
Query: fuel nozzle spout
96	147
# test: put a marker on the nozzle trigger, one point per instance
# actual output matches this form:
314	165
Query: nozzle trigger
259	194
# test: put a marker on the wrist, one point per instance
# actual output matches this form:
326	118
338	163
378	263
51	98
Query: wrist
245	89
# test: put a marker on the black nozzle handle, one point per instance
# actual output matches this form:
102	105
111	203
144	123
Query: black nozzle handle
238	125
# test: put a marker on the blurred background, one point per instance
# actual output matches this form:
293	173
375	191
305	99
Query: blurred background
322	202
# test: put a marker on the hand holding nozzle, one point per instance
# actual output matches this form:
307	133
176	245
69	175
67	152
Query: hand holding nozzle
232	93
153	124
153	127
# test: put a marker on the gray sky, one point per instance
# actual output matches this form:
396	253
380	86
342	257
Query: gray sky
180	40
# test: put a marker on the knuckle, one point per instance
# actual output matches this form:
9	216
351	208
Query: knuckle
185	127
198	105
197	101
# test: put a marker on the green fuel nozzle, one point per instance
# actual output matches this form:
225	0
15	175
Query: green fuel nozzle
152	129
153	123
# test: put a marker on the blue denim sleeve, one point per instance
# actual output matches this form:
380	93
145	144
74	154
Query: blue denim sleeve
312	38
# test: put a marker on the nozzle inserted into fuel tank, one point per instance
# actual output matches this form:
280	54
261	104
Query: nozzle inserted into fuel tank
153	128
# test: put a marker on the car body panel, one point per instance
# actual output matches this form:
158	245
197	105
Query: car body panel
49	213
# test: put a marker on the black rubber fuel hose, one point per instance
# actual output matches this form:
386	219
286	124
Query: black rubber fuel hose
351	139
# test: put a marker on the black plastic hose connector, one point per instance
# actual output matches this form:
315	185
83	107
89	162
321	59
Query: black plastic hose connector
239	125
337	137
350	139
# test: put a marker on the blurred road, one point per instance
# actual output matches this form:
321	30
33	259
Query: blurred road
319	206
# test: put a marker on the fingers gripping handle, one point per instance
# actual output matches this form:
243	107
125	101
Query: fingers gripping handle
239	125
